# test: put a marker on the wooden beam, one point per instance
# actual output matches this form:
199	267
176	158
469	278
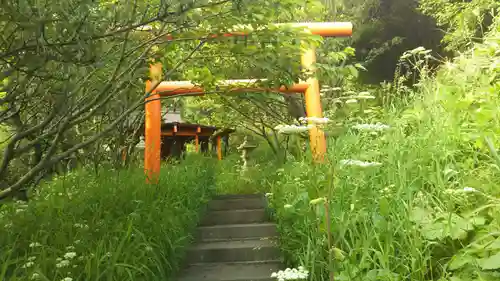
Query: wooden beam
172	88
183	133
324	29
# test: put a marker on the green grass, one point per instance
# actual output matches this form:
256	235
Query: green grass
429	212
116	227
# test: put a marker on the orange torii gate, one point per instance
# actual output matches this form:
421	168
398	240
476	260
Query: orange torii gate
309	88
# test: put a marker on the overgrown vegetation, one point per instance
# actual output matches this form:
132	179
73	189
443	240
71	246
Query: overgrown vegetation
107	227
410	188
416	199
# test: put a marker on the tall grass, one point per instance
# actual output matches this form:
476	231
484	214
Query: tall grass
429	212
109	227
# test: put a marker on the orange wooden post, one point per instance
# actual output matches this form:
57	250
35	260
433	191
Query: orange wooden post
313	106
219	148
124	154
152	149
197	139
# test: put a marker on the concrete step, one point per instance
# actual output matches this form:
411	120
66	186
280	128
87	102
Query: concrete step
234	217
233	251
236	231
237	204
248	271
237	196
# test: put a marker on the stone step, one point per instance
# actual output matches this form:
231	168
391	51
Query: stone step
233	251
234	217
237	196
247	271
237	204
236	231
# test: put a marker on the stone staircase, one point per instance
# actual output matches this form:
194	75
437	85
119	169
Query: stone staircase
234	242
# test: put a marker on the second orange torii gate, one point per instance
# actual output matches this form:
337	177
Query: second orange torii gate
309	88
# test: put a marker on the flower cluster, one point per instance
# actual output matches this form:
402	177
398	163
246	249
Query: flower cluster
65	261
358	163
291	129
371	127
314	120
291	274
466	189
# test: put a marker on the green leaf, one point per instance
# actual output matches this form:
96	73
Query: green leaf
459	261
478	221
433	231
495	245
358	65
420	215
490	263
350	51
459	228
384	207
353	70
320	211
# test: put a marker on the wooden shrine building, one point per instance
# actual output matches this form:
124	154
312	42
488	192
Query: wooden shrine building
175	136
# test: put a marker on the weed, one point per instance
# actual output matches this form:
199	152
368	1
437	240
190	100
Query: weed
110	227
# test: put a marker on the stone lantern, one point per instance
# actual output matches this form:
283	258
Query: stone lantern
245	148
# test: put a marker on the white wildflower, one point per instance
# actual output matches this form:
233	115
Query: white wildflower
63	263
35	244
358	163
28	264
80	225
371	127
314	120
326	89
21	204
468	189
291	274
351	101
67	279
387	189
287	206
69	255
417	50
364	96
35	276
269	194
291	129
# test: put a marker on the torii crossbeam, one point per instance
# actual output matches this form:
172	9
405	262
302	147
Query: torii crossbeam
309	88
